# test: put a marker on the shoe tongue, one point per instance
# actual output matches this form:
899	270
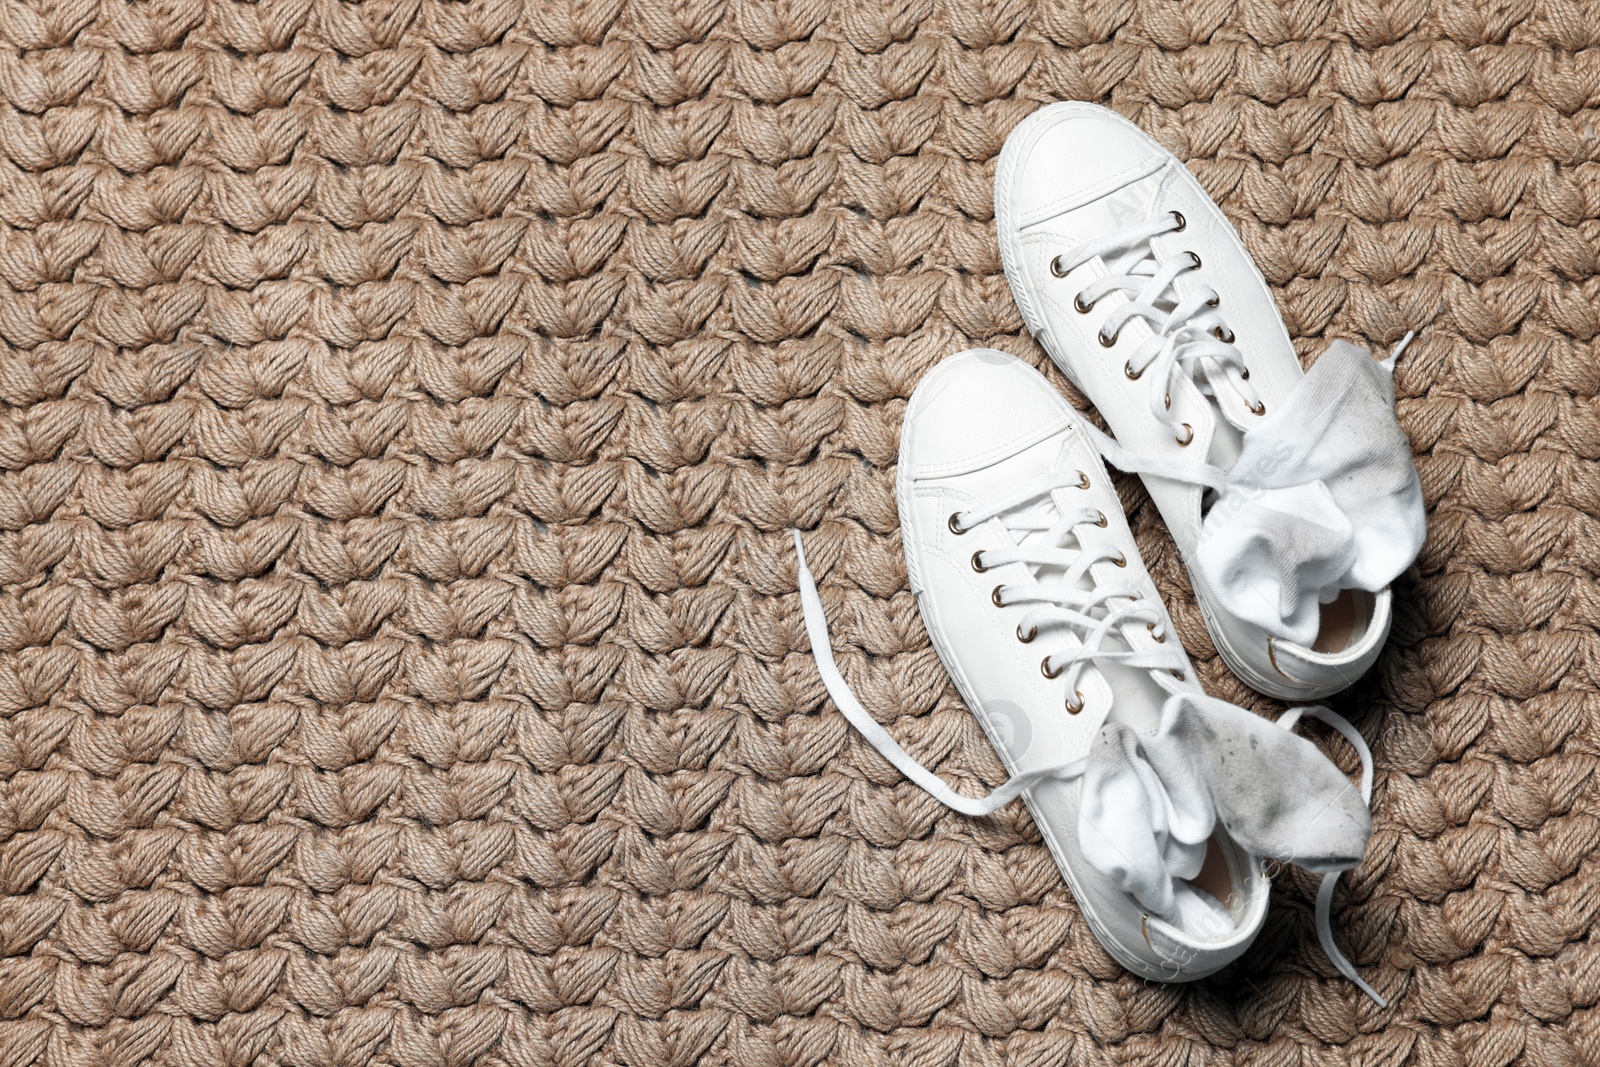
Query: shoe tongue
1014	474
1227	441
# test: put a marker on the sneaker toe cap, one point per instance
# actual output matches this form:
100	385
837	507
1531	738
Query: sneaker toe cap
976	409
1078	153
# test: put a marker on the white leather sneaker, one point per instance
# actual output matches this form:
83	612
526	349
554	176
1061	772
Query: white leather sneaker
1157	802
1292	497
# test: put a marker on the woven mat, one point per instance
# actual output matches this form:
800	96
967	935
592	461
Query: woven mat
405	406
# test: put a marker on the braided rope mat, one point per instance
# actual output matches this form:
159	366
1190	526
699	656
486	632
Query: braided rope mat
404	406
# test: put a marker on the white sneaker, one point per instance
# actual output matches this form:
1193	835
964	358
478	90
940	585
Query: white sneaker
1292	497
1157	802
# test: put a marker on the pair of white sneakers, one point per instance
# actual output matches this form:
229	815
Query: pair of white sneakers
1291	495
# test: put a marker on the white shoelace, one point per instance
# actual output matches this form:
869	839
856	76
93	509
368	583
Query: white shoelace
1040	541
1069	606
879	738
1324	909
1188	334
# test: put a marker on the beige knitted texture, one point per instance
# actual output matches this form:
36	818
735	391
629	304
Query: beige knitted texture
405	404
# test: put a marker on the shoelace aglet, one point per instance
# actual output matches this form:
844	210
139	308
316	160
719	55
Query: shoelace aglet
1395	353
1325	935
1401	347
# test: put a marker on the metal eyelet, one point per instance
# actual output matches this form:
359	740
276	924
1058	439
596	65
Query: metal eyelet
995	596
1244	374
1258	408
1083	480
1055	268
1107	342
1223	334
1167	401
1044	668
1102	521
1183	442
1080	306
1161	638
1180	675
1196	260
1032	633
1132	375
1215	301
1121	560
1177	217
1075	705
977	564
955	528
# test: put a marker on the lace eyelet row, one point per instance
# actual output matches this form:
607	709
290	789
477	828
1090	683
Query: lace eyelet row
1074	703
955	527
1221	333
